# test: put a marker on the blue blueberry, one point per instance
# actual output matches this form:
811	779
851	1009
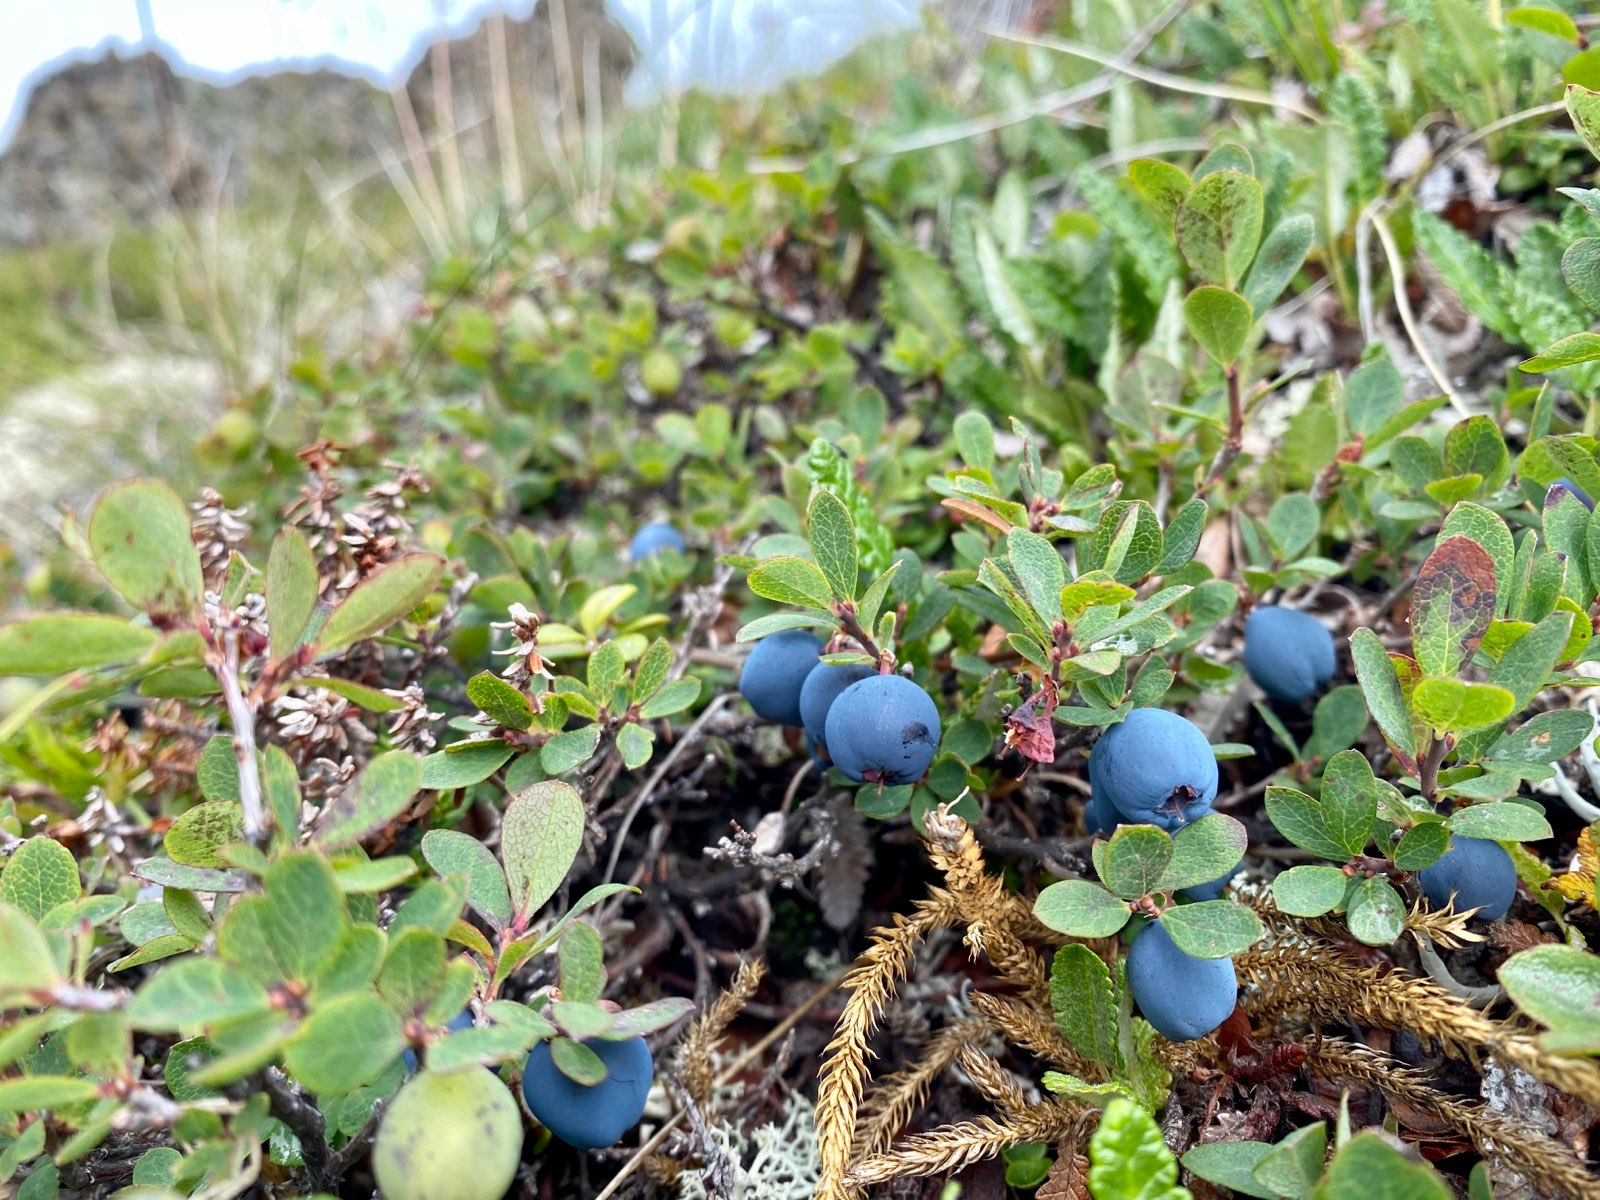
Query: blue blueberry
1212	890
1154	768
462	1020
1480	874
1289	654
590	1118
820	690
1550	497
883	729
652	539
1182	996
1099	817
775	672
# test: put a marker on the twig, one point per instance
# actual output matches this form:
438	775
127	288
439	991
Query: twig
727	1076
642	796
306	1123
243	719
1428	768
1234	439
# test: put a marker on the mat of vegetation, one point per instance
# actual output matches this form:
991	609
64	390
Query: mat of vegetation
1036	644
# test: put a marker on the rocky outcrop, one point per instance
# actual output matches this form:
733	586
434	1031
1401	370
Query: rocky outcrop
126	139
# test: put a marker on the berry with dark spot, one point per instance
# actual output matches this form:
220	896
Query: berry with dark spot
652	539
1154	768
590	1117
817	694
775	672
1289	654
883	729
1478	872
1182	996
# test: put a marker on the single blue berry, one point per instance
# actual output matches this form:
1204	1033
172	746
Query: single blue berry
584	1116
775	672
820	690
462	1020
1551	496
1478	872
1289	654
652	539
883	729
1182	996
1154	768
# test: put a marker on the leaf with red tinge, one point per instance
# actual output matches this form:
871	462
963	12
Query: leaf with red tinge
1452	604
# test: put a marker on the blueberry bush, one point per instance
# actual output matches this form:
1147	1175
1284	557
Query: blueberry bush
1115	565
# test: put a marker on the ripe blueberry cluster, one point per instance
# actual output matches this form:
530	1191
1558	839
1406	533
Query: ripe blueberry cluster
1156	768
590	1117
875	728
1288	653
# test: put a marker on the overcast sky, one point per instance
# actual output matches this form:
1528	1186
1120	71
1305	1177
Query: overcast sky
728	44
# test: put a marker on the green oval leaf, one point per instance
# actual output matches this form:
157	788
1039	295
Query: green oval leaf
540	836
1219	321
48	645
139	537
790	580
1135	860
831	532
1204	850
1212	928
1376	914
39	875
1082	909
1309	891
449	851
291	591
380	600
1219	226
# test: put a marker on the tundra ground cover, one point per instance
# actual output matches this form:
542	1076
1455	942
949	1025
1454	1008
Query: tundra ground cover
1023	420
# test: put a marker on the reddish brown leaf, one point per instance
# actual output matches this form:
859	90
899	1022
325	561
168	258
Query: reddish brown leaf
1068	1179
1452	604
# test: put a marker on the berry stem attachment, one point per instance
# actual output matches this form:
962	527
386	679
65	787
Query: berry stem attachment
845	610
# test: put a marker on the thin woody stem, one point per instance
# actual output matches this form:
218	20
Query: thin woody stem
243	718
848	621
1233	441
